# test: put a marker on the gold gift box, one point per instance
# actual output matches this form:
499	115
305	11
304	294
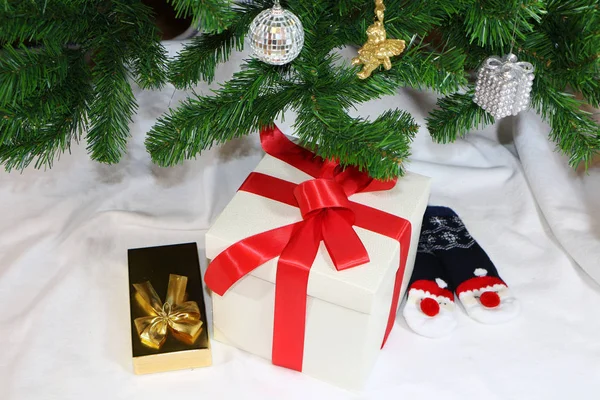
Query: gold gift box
168	314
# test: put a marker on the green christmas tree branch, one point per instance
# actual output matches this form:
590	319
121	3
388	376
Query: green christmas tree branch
199	58
327	90
560	39
23	117
566	46
331	135
573	130
407	18
24	70
247	102
575	133
404	19
37	21
210	15
494	23
42	127
455	116
183	134
144	53
447	40
316	86
112	107
422	67
50	44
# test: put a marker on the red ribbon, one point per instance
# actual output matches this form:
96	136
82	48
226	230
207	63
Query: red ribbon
328	216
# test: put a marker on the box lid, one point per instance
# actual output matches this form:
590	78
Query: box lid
248	214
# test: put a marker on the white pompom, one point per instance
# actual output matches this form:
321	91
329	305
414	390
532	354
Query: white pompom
441	283
480	272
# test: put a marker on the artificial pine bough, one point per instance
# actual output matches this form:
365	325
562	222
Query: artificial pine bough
65	69
64	72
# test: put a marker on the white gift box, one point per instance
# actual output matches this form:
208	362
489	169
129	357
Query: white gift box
347	311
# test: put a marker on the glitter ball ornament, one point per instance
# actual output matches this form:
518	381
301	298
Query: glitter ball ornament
276	36
504	85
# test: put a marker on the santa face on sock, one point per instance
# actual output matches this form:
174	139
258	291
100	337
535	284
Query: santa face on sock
430	308
487	298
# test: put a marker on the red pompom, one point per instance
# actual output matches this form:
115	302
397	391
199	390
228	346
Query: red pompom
430	307
490	299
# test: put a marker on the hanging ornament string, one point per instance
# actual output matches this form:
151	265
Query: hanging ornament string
514	32
378	49
504	84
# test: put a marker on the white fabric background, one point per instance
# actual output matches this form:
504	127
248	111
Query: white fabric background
64	233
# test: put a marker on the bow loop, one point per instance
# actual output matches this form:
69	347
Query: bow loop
493	62
147	298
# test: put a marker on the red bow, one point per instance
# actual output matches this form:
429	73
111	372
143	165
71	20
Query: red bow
328	216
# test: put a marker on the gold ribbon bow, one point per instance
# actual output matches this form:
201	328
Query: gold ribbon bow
181	318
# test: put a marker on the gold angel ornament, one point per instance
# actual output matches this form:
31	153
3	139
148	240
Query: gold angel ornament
378	49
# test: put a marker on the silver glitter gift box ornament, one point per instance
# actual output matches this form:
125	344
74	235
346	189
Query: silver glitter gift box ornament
504	85
276	36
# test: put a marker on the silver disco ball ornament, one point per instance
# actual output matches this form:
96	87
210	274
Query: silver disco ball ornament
276	36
